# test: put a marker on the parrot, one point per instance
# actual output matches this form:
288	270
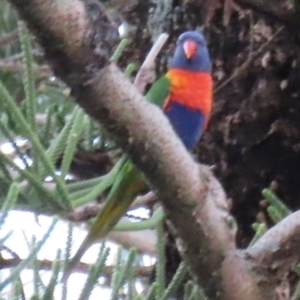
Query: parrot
185	95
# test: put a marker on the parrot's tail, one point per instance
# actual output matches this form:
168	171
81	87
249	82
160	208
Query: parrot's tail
129	183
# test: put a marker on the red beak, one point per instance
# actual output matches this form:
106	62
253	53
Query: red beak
190	48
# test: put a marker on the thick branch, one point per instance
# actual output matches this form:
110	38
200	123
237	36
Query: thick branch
277	250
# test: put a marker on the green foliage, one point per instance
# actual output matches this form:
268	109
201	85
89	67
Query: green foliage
49	291
9	202
278	209
94	273
296	295
79	123
28	78
118	52
9	104
193	293
152	292
58	138
8	25
85	195
58	144
68	250
159	91
161	261
259	229
121	275
176	281
151	223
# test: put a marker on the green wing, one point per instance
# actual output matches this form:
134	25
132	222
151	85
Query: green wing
128	184
159	91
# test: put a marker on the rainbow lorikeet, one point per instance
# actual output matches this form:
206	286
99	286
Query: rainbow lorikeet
185	93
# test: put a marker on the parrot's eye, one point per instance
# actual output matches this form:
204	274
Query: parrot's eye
200	42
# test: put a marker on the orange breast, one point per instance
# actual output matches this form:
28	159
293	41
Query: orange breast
192	89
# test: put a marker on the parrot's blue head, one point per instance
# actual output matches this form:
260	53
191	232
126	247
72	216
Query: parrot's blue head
191	53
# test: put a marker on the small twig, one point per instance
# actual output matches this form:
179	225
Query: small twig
143	75
86	212
46	265
144	200
16	259
19	67
11	252
8	38
18	56
248	62
144	241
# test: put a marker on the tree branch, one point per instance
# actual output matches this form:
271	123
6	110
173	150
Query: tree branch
193	199
277	251
83	268
8	38
144	241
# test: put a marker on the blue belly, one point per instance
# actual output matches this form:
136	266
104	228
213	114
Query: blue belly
187	123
